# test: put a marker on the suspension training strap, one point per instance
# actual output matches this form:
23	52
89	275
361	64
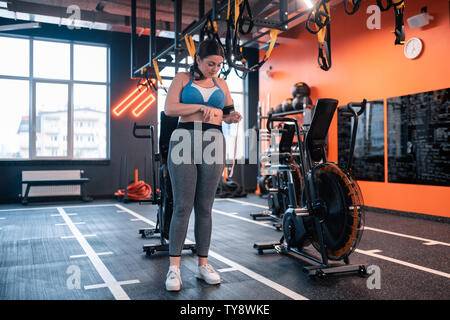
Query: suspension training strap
158	76
319	18
386	7
233	49
190	45
355	6
399	8
324	37
273	40
236	12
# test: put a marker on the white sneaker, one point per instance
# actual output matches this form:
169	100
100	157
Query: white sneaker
173	280
208	274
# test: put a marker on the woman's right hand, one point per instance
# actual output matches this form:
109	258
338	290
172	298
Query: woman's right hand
210	113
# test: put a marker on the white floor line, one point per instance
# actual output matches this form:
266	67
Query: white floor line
260	223
83	235
104	285
85	255
374	253
226	269
2	218
150	222
278	287
112	284
135	219
369	253
287	292
65	207
65	224
245	203
427	242
69	214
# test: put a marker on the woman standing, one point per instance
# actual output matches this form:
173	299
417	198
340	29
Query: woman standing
202	101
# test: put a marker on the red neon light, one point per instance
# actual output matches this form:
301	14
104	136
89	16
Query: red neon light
136	112
118	110
121	110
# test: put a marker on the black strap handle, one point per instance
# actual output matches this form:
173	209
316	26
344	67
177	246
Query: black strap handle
142	127
356	4
349	109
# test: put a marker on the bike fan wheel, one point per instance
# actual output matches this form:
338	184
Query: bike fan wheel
343	223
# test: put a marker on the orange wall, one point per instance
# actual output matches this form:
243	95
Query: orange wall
367	64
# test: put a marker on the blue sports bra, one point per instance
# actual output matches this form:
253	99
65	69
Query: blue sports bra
194	94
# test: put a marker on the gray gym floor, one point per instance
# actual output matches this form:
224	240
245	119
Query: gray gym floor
93	251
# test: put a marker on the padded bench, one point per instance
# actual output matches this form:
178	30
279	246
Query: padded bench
55	182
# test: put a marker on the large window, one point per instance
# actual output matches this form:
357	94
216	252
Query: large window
236	130
236	86
54	99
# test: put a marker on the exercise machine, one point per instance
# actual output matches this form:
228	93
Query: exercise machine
281	154
271	182
325	207
162	194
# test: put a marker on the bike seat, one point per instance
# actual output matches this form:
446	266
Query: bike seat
317	133
168	126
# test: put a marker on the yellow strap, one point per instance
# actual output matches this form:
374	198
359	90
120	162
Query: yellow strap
190	45
322	32
273	40
402	4
214	25
236	12
158	76
228	9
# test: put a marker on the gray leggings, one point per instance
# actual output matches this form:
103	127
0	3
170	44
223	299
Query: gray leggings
194	184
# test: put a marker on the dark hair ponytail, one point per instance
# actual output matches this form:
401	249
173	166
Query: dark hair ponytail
195	70
206	48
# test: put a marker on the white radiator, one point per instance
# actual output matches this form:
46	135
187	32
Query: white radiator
43	191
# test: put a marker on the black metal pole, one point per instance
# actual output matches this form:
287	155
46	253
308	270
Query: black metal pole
177	29
133	37
214	10
125	197
284	13
152	160
152	41
120	173
201	13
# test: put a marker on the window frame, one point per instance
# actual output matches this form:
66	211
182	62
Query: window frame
70	104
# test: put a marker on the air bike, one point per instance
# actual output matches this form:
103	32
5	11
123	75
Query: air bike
325	204
161	195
